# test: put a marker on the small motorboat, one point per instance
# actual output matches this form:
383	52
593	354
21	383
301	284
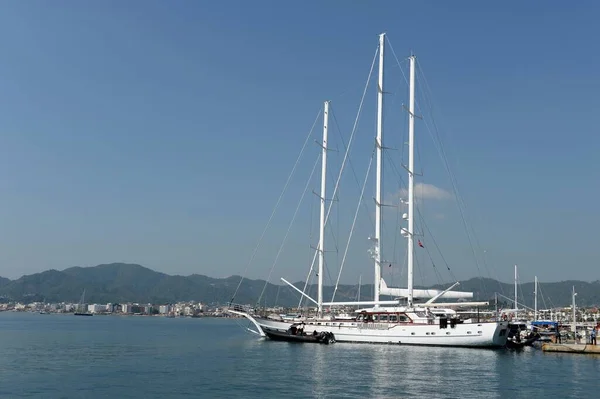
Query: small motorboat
296	334
518	341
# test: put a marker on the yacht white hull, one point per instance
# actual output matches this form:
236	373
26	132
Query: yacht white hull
462	335
484	335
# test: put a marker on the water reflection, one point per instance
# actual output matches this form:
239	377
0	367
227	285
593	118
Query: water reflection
48	356
388	371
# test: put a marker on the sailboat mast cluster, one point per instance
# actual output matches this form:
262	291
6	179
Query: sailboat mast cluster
427	323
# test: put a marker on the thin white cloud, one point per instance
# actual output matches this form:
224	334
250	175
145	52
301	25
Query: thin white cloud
425	191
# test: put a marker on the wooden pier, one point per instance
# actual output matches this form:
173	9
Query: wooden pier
571	348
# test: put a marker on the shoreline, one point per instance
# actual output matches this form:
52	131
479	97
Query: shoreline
221	316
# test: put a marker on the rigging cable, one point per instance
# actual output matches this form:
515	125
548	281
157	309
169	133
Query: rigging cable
461	204
353	225
453	181
352	169
344	160
289	228
287	182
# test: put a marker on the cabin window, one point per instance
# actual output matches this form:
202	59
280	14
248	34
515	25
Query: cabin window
383	317
360	317
403	318
375	317
393	318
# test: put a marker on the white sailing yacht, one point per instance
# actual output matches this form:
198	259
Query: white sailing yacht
428	323
81	308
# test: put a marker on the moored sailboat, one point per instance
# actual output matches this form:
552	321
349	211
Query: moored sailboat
520	332
428	323
81	311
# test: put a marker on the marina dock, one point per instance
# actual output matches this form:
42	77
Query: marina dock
571	348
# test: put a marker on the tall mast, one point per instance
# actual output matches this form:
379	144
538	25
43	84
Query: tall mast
411	177
359	284
574	314
378	178
535	310
496	304
516	304
321	248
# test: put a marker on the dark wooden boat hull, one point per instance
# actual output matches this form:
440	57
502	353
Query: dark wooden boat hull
322	337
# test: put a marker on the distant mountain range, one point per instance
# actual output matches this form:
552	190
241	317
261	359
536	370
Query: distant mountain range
120	282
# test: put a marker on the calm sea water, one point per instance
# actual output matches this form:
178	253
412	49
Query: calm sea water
63	356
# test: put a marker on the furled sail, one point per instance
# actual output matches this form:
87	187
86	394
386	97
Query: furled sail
423	294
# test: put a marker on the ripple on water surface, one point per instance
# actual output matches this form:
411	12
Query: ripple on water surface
62	356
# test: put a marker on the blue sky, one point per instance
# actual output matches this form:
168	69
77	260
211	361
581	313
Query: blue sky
161	133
